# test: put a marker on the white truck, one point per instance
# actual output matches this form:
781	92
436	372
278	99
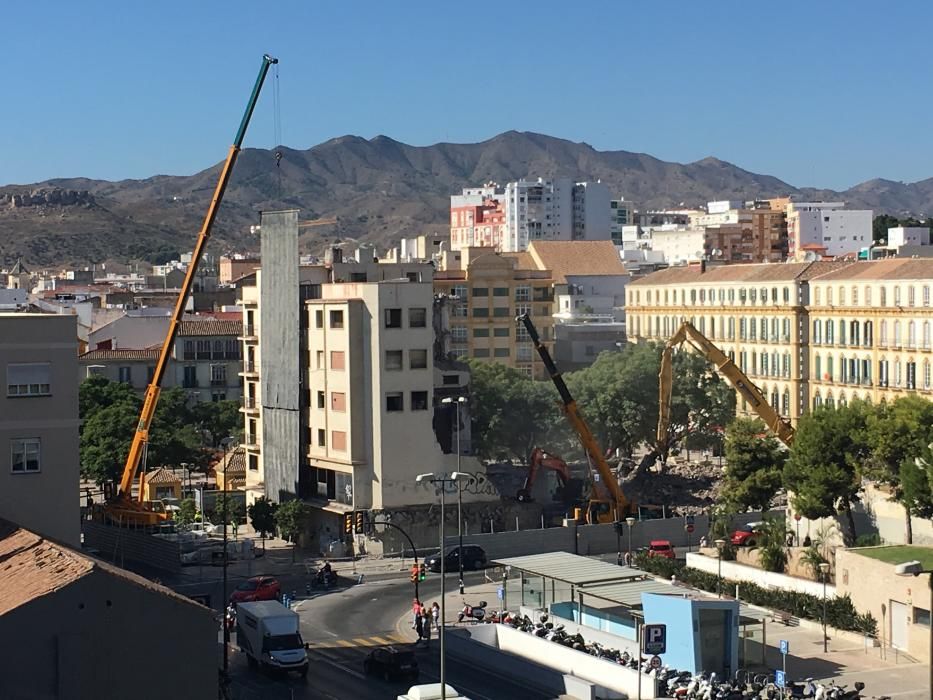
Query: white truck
268	632
431	691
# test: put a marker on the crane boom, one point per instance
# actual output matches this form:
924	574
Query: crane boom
141	437
687	333
620	503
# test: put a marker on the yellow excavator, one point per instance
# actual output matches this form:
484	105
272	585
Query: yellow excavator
599	509
739	381
120	506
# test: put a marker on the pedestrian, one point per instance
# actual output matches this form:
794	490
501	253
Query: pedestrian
415	612
436	614
419	624
807	542
426	625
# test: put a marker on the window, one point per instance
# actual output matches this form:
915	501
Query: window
418	359
523	293
897	296
319	318
25	453
417	318
479	312
336	319
854	296
500	291
480	291
394	401
338	440
921	617
501	312
817	366
911	298
204	350
816	296
897	334
883	340
883	292
926	295
501	352
336	359
319	358
126	375
33	379
320	399
867	295
218	374
338	402
926	335
458	334
785	403
480	332
218	396
189	350
502	332
911	334
190	377
481	352
393	360
419	401
460	292
393	318
321	437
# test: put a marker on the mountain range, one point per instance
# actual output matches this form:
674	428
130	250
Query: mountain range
379	189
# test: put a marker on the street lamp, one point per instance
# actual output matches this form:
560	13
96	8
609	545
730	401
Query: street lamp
824	573
436	479
459	400
720	544
224	444
915	568
186	470
630	521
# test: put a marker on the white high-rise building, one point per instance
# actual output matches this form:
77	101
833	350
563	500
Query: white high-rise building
826	229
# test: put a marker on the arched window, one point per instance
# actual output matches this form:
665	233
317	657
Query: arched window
818	367
657	325
911	299
883	293
785	365
866	334
732	328
829	332
897	372
817	401
842	332
816	296
854	334
829	296
785	403
817	332
926	374
829	376
854	295
926	295
703	324
830	402
842	296
897	295
775	400
897	334
884	334
842	399
712	327
786	295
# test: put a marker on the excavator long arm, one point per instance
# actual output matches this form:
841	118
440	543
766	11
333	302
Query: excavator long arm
687	333
141	437
572	411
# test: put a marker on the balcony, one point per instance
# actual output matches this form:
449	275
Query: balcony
218	382
250	404
250	367
249	332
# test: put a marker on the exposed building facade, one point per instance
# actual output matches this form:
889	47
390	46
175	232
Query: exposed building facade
826	229
39	459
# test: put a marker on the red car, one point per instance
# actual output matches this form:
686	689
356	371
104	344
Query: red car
661	548
746	536
256	588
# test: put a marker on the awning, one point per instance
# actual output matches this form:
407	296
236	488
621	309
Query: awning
629	593
571	568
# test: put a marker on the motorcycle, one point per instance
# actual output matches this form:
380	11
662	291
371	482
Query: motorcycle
476	613
324	578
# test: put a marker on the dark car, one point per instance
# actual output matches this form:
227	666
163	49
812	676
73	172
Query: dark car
474	558
256	588
392	663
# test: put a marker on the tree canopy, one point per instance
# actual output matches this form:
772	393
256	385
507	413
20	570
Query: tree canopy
754	462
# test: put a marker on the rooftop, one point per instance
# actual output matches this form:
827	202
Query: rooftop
571	568
119	354
898	554
742	272
161	476
210	327
887	269
565	258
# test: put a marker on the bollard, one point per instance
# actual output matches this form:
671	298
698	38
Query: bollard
492	527
516	523
308	589
360	579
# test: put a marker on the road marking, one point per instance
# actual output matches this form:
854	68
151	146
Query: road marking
345	643
380	640
399	638
342	667
365	642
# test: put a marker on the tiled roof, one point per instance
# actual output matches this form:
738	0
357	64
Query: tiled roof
161	476
236	462
32	566
890	269
120	354
742	272
577	258
209	327
523	260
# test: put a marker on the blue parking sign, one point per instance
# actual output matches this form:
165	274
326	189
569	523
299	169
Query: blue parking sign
785	647
779	679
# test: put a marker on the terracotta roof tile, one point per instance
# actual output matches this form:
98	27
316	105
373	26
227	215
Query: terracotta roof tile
889	269
161	476
120	354
747	272
210	327
236	461
523	260
577	258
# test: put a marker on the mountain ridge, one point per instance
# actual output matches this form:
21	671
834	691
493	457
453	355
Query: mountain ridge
380	189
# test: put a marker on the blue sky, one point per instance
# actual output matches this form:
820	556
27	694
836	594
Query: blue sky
816	93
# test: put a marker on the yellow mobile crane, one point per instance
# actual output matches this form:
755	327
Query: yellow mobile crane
687	333
120	506
598	509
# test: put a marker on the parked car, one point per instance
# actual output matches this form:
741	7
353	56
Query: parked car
201	529
661	548
257	588
746	536
474	558
391	663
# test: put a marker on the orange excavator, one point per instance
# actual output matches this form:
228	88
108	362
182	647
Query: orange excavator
542	460
120	506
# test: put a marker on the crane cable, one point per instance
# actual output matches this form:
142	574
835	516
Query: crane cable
277	126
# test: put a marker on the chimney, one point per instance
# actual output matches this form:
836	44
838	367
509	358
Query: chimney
702	266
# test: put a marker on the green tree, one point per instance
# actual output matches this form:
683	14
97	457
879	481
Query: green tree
772	544
173	437
97	392
895	434
823	469
754	460
218	419
187	512
105	442
262	516
291	518
702	403
234	509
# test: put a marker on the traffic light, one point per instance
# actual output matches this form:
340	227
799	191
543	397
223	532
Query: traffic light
422	572
348	523
361	521
414	573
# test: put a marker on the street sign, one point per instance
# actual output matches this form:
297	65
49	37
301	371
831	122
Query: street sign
500	591
655	662
654	639
796	516
785	647
779	679
689	527
689	520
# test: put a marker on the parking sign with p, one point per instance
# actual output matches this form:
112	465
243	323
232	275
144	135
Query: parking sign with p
654	639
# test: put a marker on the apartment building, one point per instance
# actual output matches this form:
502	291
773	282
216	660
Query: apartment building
871	331
482	224
621	214
489	290
39	458
233	268
826	229
205	361
756	314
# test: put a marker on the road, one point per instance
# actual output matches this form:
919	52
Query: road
342	626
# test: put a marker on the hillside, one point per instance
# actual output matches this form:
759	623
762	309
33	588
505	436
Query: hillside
379	189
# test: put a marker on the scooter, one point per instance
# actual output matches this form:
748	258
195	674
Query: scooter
473	612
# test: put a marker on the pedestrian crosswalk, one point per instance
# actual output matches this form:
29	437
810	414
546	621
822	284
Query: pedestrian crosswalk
376	640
